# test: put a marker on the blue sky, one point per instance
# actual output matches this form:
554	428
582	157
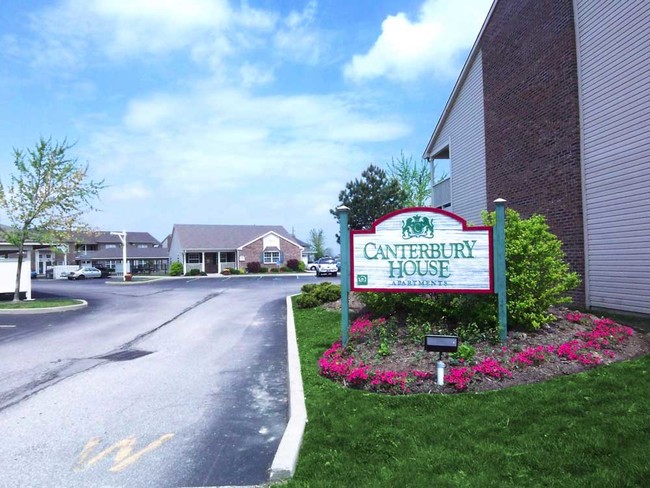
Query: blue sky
221	112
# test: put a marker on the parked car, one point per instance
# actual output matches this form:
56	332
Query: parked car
104	270
84	272
313	266
326	266
34	274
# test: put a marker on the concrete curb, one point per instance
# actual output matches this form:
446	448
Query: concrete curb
27	311
286	457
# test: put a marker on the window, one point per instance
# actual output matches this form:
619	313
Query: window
271	257
227	257
142	246
193	257
111	246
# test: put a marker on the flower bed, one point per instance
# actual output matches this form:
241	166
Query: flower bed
573	343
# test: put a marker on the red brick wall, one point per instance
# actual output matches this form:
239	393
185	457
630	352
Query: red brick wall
532	119
253	252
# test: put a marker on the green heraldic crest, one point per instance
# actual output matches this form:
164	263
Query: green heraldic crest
417	226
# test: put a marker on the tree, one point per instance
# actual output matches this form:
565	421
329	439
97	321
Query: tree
370	197
317	242
48	196
415	179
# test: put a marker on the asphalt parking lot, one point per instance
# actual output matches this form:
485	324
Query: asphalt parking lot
171	383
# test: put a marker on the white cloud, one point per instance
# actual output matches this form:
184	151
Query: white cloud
407	50
214	139
128	192
298	38
72	32
252	75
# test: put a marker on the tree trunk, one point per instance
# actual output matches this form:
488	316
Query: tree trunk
18	271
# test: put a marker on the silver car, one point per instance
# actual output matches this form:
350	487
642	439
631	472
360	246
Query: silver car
84	272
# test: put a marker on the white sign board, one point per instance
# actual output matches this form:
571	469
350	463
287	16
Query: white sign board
422	249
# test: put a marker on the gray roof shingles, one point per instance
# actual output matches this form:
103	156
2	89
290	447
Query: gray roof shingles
223	237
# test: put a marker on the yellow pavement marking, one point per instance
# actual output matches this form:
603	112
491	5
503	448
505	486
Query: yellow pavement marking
124	456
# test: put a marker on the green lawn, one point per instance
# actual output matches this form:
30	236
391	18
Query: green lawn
44	303
590	429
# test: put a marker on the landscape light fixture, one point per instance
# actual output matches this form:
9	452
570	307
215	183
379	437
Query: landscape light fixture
440	344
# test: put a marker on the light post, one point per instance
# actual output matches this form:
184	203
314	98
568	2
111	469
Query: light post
122	236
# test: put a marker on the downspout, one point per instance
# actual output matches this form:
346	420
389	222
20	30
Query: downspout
585	223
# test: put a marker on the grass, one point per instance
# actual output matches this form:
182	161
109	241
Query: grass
590	429
44	303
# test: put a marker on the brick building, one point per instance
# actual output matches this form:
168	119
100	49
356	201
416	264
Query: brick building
213	248
551	111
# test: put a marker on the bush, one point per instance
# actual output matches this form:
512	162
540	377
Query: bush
254	267
225	272
176	269
327	292
307	300
293	264
234	271
264	269
274	270
193	272
537	277
309	287
317	294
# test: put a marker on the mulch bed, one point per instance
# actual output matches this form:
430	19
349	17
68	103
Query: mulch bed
407	356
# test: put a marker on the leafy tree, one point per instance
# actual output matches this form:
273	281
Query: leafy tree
370	197
48	197
415	179
317	242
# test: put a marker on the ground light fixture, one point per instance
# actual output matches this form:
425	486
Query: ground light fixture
440	344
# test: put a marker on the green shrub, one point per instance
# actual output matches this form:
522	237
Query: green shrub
301	266
327	292
264	269
306	300
317	294
417	329
234	271
193	272
464	352
176	269
399	305
308	287
274	270
537	276
254	267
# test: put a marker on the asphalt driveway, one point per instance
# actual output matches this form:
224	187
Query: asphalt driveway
173	383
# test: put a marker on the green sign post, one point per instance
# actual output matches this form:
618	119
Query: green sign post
500	266
344	232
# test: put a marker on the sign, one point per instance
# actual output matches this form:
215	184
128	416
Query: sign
422	250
